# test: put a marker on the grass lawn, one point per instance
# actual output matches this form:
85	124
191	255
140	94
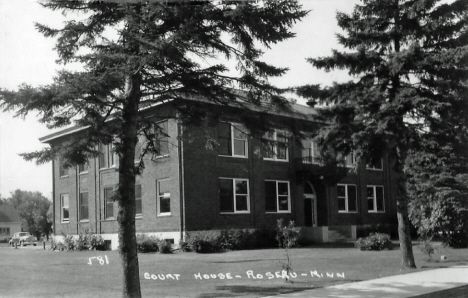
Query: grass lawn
33	272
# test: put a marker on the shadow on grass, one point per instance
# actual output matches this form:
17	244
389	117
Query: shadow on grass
238	290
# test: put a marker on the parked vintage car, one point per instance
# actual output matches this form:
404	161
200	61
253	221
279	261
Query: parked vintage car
23	238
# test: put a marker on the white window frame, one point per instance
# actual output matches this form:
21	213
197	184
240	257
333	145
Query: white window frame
106	202
373	168
79	207
246	143
374	198
314	155
351	155
167	132
65	170
85	168
139	215
278	197
347	198
234	195
62	207
158	198
275	146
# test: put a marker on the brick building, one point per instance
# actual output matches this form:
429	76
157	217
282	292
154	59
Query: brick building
241	182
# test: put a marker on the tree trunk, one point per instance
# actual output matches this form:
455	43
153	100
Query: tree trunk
404	235
126	191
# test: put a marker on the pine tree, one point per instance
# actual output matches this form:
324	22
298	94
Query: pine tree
409	62
141	53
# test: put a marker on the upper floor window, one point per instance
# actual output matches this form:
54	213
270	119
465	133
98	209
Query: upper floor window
163	197
277	196
161	138
310	152
108	203
234	195
64	208
347	197
375	166
83	168
375	198
232	140
138	203
5	231
84	210
276	146
349	160
107	156
63	170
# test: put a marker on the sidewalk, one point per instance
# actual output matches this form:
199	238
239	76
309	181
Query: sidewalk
404	285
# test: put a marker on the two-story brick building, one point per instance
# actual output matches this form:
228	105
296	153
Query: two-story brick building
241	182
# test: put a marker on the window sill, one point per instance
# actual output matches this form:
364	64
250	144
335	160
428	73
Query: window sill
235	213
164	215
83	173
84	220
65	222
372	211
161	156
235	156
279	160
277	212
109	219
347	212
65	176
139	216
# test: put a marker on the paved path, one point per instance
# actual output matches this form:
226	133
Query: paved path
404	285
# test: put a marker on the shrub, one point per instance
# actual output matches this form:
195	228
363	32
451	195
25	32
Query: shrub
81	243
164	247
69	242
265	237
366	230
147	243
95	242
287	238
427	248
377	241
184	246
237	240
204	243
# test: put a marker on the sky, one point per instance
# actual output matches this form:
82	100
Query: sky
28	57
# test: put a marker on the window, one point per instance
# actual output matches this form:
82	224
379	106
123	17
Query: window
276	148
164	197
232	140
277	198
234	195
107	156
138	195
350	160
4	231
161	138
64	206
84	210
63	170
375	166
310	152
375	199
108	203
347	197
82	168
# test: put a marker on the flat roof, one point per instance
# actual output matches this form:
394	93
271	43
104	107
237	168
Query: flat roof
297	111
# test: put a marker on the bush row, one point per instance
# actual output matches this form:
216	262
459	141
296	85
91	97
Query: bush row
147	243
377	241
85	241
210	242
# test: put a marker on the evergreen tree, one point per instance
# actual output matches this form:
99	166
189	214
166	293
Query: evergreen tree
438	187
409	62
141	53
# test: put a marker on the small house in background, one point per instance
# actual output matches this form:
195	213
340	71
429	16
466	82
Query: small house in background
240	182
10	221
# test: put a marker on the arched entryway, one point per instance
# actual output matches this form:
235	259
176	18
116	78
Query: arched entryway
310	205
